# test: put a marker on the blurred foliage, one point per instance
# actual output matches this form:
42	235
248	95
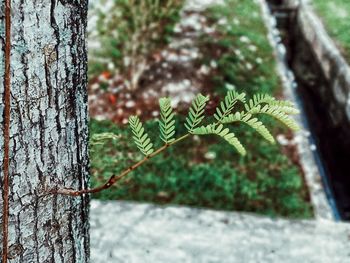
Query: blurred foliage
207	174
131	31
246	58
202	171
335	15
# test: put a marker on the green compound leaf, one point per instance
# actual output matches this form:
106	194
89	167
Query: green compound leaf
167	122
223	133
284	106
259	99
141	138
251	121
196	112
265	104
278	113
265	99
226	106
281	116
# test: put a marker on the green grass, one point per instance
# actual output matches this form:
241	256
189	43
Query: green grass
265	181
206	172
335	15
247	59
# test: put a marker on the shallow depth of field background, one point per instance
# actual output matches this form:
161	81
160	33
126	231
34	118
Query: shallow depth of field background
141	52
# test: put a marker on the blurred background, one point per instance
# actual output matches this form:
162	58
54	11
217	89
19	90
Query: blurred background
142	50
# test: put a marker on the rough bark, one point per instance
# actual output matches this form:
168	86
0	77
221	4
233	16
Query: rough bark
48	135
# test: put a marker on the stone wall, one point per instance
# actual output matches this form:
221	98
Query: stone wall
324	79
333	65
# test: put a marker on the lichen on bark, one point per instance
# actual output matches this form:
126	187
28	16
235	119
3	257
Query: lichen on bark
49	131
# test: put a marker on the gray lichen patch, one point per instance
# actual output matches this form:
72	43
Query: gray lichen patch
48	145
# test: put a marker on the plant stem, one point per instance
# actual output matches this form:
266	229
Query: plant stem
6	134
115	178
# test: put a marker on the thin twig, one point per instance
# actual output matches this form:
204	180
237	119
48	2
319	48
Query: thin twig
115	178
6	161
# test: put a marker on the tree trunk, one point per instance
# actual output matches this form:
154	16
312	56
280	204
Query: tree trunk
48	131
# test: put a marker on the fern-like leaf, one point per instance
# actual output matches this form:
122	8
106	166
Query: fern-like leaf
280	116
276	113
284	106
196	112
167	122
248	119
141	138
259	99
265	99
265	104
223	133
226	106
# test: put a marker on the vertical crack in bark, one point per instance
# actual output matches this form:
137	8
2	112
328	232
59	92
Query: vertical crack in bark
48	93
7	98
56	31
36	229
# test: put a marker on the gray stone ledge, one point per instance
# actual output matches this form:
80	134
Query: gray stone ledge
320	203
333	64
130	232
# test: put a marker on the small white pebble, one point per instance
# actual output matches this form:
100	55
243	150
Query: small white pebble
164	53
222	21
213	64
196	138
229	86
249	66
244	39
126	61
281	139
187	83
307	133
297	139
111	66
210	155
95	86
102	78
237	52
252	48
130	104
209	30
205	70
259	60
100	117
177	29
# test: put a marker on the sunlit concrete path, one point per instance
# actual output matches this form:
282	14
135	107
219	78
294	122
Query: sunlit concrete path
131	232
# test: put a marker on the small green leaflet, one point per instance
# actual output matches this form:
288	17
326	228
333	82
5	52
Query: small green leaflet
141	138
167	122
196	112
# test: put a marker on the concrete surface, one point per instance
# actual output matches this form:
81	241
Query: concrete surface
130	232
321	204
